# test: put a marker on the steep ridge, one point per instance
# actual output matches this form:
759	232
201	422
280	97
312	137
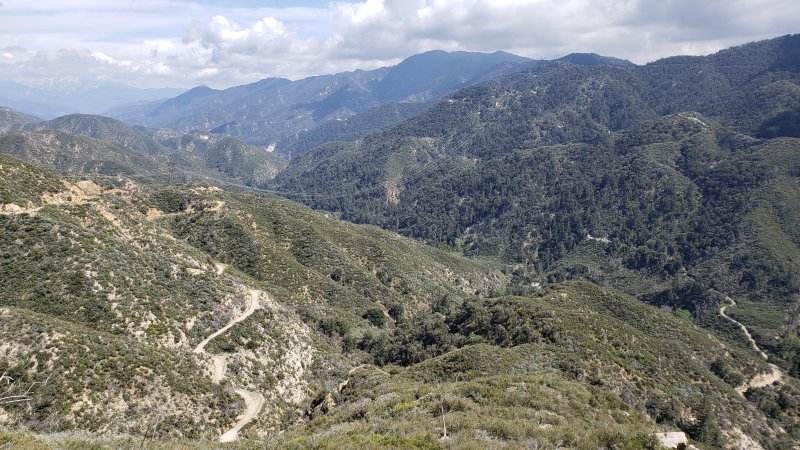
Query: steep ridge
13	120
79	154
104	129
97	297
751	84
96	144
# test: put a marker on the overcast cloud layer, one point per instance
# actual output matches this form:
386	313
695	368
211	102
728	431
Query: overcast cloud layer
158	43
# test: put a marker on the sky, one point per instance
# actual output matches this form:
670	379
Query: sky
185	43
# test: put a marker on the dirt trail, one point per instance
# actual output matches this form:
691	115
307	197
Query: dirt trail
219	361
760	380
750	339
217	205
251	308
253	400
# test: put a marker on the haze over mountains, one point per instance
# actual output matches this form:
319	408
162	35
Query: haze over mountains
275	108
84	97
502	253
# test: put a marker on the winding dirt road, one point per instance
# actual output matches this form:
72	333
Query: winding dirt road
251	308
750	339
760	380
253	401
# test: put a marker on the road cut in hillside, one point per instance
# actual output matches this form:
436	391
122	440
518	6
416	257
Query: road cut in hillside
760	380
253	401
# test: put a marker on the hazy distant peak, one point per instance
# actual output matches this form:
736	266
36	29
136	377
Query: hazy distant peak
198	91
442	55
593	59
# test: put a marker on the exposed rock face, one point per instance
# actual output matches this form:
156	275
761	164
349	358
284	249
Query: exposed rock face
673	439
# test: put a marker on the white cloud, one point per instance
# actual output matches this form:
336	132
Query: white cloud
102	57
182	43
226	39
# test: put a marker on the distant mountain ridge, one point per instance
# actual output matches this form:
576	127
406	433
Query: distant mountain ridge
67	152
13	120
593	59
272	109
98	144
432	74
102	128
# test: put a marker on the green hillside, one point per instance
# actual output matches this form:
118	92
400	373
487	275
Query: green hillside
593	357
108	268
364	324
578	254
229	157
104	129
81	143
12	120
605	173
77	154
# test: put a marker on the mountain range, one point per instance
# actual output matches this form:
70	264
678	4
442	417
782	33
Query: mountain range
504	253
264	112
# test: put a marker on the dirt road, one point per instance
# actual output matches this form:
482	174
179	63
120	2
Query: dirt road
253	403
760	380
253	400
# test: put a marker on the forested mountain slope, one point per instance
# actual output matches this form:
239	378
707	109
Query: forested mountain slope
654	179
139	275
352	128
233	159
108	288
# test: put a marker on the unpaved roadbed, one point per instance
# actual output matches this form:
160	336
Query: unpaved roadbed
253	400
760	380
